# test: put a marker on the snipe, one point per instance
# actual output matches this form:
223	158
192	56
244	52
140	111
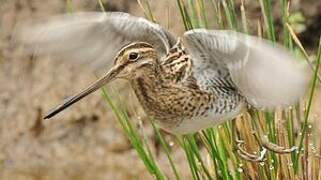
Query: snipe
209	77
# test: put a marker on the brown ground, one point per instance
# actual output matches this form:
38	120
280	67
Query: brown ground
84	142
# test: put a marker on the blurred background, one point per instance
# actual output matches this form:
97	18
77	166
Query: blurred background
85	141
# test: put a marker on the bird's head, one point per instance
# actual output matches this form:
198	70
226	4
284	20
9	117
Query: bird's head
133	60
130	62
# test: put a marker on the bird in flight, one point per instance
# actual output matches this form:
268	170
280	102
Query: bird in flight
185	84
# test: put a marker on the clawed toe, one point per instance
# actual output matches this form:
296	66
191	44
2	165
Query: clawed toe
274	147
266	145
248	156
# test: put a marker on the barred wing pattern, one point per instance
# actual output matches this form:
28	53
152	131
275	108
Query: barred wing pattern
92	38
265	74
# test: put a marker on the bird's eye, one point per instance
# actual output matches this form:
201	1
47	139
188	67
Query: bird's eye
133	56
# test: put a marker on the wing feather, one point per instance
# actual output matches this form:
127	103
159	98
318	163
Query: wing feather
267	75
91	38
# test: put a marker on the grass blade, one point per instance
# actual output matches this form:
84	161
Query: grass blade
166	150
308	109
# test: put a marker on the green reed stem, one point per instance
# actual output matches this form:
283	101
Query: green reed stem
203	13
101	6
190	158
166	150
192	143
69	6
229	14
193	13
184	14
307	112
268	18
244	19
134	138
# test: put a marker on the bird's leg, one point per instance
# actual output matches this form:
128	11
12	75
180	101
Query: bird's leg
248	156
242	152
264	141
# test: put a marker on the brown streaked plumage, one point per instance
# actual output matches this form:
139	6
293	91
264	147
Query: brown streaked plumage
185	89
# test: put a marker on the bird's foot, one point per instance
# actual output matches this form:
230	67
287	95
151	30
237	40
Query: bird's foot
264	141
249	156
266	145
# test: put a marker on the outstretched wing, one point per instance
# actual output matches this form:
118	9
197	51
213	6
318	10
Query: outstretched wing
91	37
265	74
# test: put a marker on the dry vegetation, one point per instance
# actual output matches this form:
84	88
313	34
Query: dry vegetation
87	141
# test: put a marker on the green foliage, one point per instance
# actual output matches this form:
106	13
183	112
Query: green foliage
219	142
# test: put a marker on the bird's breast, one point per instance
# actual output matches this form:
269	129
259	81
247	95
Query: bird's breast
184	109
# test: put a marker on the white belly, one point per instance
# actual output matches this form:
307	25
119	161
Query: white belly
193	125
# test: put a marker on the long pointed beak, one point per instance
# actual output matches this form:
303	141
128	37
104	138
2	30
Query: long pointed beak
93	87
